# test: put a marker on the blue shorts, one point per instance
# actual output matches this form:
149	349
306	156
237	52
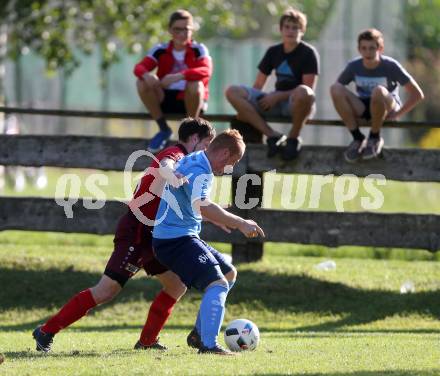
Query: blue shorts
194	261
282	109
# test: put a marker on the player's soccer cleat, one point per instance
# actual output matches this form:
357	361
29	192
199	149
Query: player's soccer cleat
155	346
354	150
373	148
43	340
291	149
193	339
216	350
273	144
159	141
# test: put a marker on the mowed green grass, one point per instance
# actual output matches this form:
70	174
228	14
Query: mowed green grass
348	321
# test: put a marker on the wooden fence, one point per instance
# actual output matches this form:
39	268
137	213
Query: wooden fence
400	230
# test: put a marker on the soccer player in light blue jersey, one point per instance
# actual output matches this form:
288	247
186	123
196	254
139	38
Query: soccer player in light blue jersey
377	78
176	238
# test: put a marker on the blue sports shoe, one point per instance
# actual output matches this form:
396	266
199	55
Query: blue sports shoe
159	141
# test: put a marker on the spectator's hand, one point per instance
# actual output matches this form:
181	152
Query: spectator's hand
171	78
268	101
250	229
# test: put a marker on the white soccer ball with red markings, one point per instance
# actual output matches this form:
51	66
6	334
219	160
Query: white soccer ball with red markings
241	335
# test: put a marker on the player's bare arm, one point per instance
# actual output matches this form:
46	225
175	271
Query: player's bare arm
215	213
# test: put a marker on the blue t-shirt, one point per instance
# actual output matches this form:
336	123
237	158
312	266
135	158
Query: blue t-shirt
389	73
176	216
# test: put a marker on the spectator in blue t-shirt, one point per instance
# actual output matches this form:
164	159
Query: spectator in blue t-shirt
176	235
377	79
296	65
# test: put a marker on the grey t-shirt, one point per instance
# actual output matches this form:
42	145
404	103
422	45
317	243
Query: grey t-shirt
389	73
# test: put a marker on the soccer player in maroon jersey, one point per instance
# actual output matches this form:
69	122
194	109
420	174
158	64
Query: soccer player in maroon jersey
133	249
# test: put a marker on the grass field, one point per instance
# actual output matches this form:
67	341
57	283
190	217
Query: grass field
348	321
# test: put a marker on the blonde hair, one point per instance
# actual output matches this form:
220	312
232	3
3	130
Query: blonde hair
230	139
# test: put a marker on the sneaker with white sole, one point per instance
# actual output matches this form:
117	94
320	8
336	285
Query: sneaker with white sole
354	150
291	149
274	144
43	340
373	148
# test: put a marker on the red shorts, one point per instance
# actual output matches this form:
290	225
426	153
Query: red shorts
132	251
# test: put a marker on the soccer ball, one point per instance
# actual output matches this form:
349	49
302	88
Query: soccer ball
241	335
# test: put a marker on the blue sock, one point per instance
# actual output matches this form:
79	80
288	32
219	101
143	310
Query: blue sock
212	311
198	324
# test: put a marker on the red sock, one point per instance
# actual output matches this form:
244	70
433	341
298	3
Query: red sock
72	311
158	314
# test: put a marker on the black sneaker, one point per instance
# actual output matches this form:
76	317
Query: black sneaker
193	339
291	149
155	346
373	148
216	350
273	144
43	340
354	150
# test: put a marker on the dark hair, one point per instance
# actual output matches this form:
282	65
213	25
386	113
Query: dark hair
371	34
230	139
294	15
201	127
180	14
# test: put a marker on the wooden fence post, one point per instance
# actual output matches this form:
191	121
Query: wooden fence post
249	251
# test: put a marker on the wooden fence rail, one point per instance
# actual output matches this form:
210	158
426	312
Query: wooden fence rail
210	117
107	153
330	229
325	228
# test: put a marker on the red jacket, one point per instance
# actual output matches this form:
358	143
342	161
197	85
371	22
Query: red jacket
197	60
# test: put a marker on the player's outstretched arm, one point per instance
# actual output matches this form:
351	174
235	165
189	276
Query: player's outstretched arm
215	213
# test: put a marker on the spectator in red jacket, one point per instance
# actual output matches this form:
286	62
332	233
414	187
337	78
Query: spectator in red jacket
180	84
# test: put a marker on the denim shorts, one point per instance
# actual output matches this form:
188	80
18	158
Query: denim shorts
281	109
194	261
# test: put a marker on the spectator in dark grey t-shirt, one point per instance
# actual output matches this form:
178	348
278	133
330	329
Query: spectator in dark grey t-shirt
377	79
296	65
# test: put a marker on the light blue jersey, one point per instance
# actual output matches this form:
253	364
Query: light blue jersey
176	216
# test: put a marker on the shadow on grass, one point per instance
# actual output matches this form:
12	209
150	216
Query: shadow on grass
30	289
79	354
304	294
378	373
367	373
